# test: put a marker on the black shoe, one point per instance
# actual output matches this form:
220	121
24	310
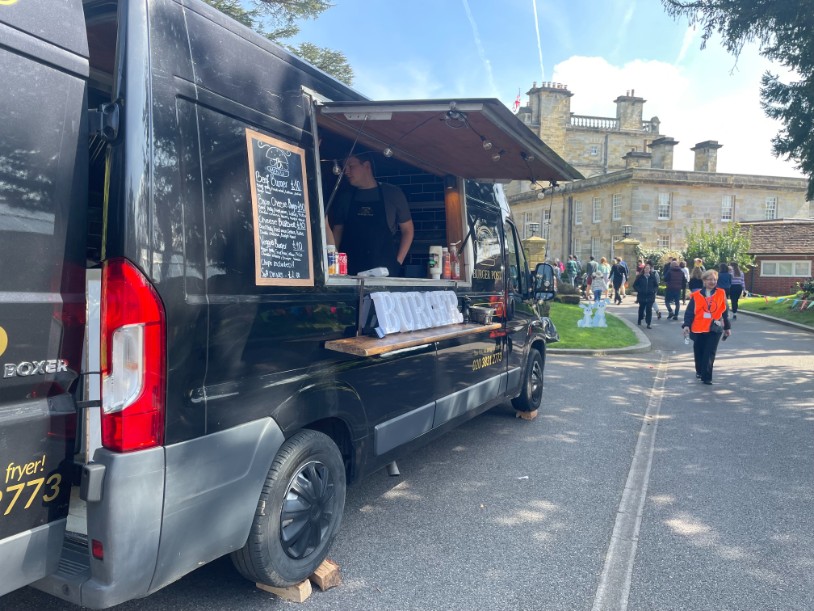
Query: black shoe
708	382
734	317
649	327
675	317
659	315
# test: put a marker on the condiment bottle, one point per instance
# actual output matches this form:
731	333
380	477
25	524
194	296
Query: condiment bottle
446	268
454	263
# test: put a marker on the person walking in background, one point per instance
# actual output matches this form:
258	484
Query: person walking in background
598	285
685	270
605	269
627	276
706	320
737	288
675	283
618	277
646	286
724	278
655	304
572	269
695	282
590	268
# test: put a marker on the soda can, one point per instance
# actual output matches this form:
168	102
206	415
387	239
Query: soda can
342	261
333	268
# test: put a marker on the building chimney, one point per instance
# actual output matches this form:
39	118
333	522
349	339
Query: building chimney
637	159
629	111
550	113
706	156
662	153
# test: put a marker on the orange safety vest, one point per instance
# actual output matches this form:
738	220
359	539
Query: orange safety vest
715	305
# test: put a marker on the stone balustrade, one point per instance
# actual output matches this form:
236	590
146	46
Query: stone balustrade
605	123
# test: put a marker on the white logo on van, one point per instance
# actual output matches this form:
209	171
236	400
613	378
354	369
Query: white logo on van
32	368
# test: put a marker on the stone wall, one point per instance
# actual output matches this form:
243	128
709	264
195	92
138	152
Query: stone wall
695	197
594	152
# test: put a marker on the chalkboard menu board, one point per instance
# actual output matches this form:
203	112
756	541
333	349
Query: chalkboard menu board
282	225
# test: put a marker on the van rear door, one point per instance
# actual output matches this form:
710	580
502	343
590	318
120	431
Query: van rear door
43	178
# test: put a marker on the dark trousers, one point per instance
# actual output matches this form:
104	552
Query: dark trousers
617	296
704	348
646	311
735	294
672	297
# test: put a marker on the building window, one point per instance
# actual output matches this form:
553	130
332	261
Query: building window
577	213
527	222
771	208
727	208
546	224
595	246
594	151
617	206
597	210
665	206
785	269
531	230
663	242
577	248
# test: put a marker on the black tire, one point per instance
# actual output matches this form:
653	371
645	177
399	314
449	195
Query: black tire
531	395
298	514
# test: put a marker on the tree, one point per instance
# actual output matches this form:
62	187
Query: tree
718	246
277	20
784	31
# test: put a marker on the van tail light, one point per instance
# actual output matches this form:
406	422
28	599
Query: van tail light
133	359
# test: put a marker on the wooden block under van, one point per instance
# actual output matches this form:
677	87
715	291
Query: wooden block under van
327	575
526	415
296	594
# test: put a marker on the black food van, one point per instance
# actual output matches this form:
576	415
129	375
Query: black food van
182	377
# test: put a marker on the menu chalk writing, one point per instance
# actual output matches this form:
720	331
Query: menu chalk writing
282	224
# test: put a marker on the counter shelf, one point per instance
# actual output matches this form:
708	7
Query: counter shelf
373	346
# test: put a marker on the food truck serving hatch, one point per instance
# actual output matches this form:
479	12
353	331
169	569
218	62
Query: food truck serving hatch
470	138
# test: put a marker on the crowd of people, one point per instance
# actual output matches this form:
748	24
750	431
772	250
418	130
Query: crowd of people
705	293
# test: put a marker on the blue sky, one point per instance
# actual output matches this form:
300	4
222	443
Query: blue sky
409	49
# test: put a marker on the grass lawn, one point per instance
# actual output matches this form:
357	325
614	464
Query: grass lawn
778	310
616	335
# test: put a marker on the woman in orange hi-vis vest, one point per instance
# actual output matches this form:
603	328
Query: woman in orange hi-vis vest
706	320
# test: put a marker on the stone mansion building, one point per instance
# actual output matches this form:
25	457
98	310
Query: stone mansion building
630	181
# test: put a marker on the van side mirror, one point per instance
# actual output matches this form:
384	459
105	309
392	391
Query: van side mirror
545	282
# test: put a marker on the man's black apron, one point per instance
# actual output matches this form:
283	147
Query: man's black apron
366	237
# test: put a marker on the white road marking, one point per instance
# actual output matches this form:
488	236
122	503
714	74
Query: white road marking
614	584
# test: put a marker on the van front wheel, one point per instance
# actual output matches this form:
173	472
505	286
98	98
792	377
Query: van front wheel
531	395
299	512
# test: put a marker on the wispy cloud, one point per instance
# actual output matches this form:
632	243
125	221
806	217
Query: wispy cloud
622	36
689	40
539	44
481	51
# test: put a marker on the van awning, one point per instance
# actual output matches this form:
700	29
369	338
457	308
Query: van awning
448	136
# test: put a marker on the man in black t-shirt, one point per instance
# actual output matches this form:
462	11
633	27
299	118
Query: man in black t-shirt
365	219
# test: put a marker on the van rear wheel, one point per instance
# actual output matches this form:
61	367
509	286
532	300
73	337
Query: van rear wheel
298	514
531	395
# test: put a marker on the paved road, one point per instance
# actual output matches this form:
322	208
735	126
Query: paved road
637	488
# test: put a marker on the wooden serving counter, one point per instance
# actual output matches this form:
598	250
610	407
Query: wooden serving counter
373	346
